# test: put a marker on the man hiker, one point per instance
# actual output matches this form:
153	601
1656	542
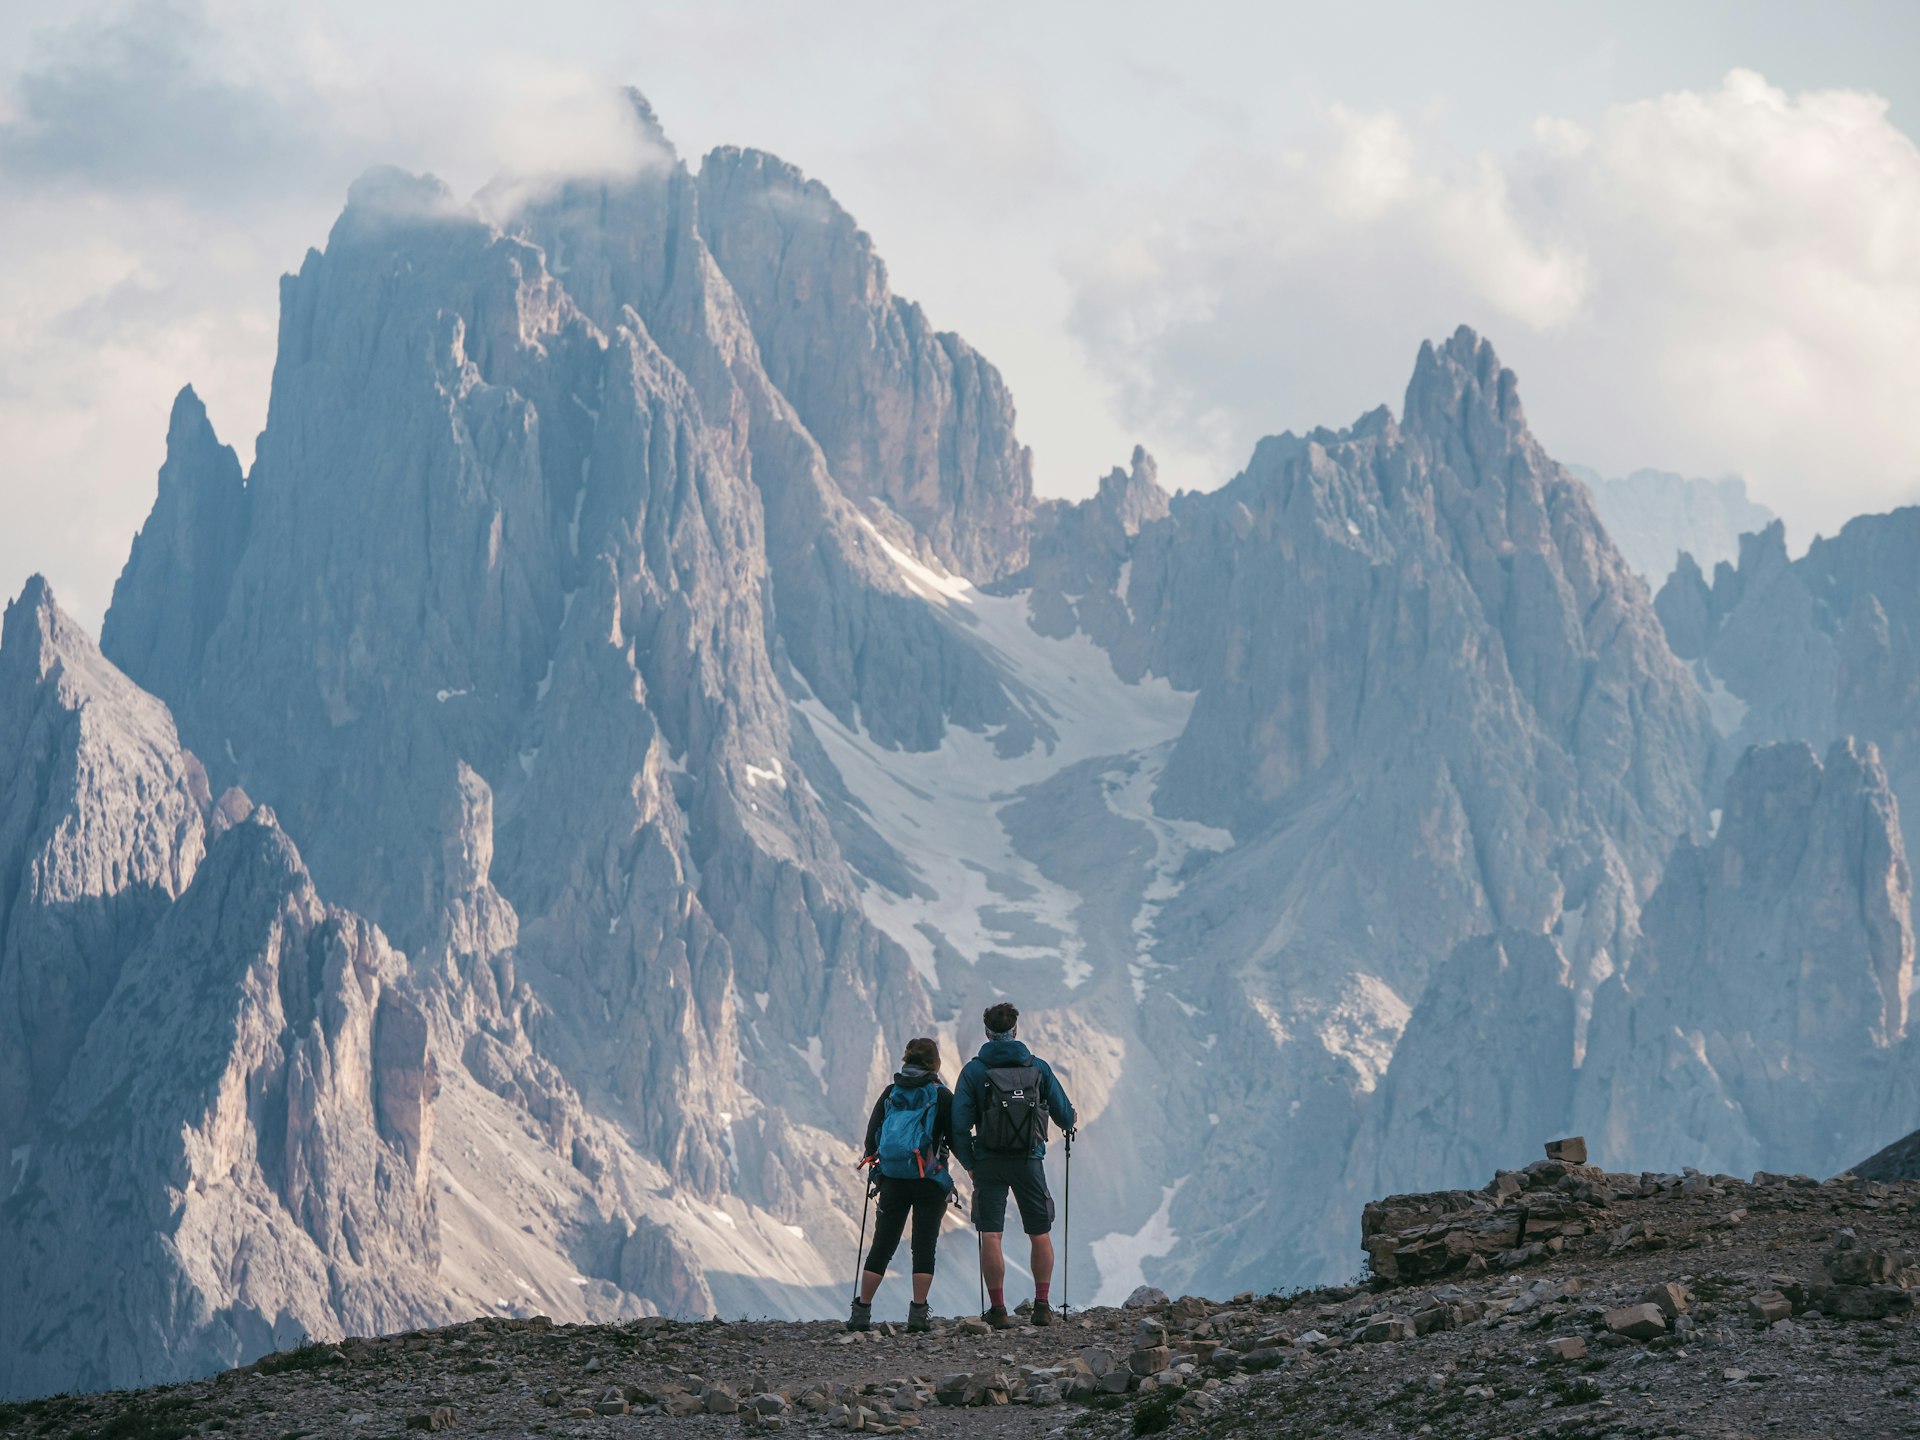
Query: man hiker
1000	1110
907	1139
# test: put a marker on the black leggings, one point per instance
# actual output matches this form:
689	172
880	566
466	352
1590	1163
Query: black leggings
927	1200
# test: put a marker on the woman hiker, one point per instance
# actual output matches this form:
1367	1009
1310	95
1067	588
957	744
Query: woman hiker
907	1139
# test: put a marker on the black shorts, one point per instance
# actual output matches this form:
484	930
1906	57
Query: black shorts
993	1177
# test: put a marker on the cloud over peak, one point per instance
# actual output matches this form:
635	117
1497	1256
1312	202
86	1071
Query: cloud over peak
1727	279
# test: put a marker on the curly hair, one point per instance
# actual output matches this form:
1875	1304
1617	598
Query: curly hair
1000	1019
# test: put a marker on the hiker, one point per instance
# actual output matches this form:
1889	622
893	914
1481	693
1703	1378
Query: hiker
907	1139
1000	1110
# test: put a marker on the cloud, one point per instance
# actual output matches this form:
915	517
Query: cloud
159	169
1703	281
144	99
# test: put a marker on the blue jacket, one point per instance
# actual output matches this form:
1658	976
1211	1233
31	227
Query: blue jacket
968	1092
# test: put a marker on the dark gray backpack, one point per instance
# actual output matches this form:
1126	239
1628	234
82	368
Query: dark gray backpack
1013	1110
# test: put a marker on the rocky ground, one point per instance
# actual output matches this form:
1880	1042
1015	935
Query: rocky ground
1559	1301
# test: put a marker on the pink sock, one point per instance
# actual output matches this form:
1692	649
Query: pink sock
997	1299
1040	1289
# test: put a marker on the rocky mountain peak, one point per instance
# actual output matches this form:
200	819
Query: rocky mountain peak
187	423
1685	606
34	632
1460	384
651	129
906	417
1763	552
1133	496
173	588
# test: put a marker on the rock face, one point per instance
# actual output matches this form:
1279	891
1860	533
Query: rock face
1655	516
103	822
1486	1063
222	1137
1764	1014
1818	649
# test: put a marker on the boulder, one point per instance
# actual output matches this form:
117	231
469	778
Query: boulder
1386	1328
1571	1151
1770	1306
1673	1298
1150	1359
1637	1322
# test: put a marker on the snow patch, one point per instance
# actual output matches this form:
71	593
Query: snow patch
1573	920
775	777
1726	709
816	1059
445	695
579	500
1121	1258
935	585
940	809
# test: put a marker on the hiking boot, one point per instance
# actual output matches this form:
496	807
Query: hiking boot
998	1317
862	1316
1042	1313
918	1321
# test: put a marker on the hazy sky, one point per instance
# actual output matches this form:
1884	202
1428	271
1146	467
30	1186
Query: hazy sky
1693	229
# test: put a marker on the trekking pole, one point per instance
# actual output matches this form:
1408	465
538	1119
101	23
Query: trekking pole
1066	1260
861	1249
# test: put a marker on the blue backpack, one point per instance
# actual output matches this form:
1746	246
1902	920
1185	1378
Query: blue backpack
906	1148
